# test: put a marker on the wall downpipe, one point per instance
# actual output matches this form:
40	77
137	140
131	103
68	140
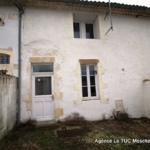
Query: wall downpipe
21	11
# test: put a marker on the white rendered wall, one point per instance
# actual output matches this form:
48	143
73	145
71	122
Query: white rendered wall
8	103
9	32
146	88
123	53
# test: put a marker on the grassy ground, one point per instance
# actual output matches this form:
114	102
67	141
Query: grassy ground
29	137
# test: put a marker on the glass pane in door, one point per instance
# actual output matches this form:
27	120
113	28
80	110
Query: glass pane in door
43	86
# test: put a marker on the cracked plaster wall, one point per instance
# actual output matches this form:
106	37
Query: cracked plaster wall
123	62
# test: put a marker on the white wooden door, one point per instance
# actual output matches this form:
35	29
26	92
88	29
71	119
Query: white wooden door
43	104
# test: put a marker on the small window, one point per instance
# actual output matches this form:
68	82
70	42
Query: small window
76	30
89	31
43	68
89	81
4	59
85	30
86	25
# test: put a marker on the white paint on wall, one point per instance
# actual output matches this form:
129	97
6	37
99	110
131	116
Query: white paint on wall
8	111
124	54
9	32
9	94
146	91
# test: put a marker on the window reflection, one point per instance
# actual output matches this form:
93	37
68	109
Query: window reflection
76	30
42	68
89	31
43	86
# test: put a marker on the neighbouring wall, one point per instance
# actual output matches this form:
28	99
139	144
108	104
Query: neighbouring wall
8	103
9	38
146	86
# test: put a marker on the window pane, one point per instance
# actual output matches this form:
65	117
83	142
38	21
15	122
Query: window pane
43	86
93	91
84	92
76	30
92	80
92	70
83	69
43	68
89	31
4	59
84	80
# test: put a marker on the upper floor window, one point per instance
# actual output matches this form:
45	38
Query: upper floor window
76	27
89	31
86	26
86	30
4	59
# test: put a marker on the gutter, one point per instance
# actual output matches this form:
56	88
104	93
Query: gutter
21	11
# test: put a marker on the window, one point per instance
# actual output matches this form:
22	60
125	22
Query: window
43	68
43	86
76	30
43	78
4	59
89	81
89	31
88	28
86	25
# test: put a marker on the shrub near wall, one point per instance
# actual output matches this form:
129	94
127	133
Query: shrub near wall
8	103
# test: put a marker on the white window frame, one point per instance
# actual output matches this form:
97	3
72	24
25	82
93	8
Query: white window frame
88	82
42	73
82	29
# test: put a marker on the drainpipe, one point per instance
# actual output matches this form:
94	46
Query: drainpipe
21	11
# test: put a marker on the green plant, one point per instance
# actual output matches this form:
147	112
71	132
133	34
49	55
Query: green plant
107	133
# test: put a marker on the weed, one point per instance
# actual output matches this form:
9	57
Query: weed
45	139
107	133
104	116
145	119
74	120
71	133
26	125
122	116
31	146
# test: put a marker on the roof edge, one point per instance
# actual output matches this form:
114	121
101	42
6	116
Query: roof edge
83	5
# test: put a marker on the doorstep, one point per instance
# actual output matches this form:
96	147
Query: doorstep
45	123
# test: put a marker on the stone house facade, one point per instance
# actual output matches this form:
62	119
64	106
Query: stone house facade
70	65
